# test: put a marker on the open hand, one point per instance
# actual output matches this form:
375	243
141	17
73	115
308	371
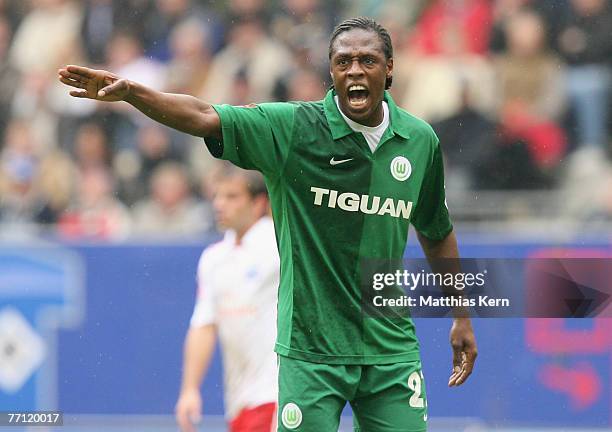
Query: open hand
463	343
94	84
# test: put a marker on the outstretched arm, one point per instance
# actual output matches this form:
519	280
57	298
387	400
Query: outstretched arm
462	339
182	112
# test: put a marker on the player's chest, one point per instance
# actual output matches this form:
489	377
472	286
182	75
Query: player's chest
395	169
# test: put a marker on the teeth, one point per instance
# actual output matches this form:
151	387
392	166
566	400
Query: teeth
356	87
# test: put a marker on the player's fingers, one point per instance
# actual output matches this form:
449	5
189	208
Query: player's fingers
185	426
457	361
72	83
80	70
452	380
184	422
66	74
467	367
462	377
79	93
457	364
195	420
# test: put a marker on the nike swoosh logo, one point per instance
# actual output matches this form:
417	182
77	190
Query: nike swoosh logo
332	161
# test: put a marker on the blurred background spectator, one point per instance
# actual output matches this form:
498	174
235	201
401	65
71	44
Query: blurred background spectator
530	102
585	45
171	210
95	214
8	74
517	90
446	56
247	69
35	186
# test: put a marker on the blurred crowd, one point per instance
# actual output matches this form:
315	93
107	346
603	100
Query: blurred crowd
517	90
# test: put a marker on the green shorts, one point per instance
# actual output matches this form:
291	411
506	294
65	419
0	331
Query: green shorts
384	398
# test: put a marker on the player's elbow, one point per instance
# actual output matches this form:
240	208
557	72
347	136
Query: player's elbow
207	124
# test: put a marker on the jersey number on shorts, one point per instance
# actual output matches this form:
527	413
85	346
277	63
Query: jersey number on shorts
415	383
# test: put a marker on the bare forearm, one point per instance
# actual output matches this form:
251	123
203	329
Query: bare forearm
445	248
443	257
199	347
178	111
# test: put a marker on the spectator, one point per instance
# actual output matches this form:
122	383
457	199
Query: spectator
52	24
435	84
96	213
32	189
167	15
91	147
446	23
8	75
98	25
503	10
585	44
465	138
13	11
305	84
190	58
32	102
135	168
529	74
55	182
302	26
531	91
251	56
19	206
19	203
445	55
171	210
246	8
125	53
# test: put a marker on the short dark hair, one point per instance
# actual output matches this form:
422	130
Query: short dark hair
368	24
254	180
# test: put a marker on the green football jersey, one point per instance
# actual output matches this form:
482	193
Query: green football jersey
335	203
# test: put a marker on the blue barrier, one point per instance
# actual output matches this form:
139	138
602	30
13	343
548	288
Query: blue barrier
122	355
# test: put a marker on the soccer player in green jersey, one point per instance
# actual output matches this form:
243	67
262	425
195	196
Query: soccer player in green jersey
346	177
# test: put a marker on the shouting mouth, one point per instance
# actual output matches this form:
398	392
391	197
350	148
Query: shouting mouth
357	95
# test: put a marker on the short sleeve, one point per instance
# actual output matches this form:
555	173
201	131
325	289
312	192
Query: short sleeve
431	217
204	310
255	137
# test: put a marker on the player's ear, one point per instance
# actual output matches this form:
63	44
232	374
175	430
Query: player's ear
390	67
263	205
389	79
331	76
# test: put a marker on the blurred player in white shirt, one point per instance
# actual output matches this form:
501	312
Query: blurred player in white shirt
236	301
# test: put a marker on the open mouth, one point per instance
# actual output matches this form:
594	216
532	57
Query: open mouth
357	95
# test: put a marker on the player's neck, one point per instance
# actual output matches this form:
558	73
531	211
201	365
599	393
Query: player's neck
376	118
241	232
